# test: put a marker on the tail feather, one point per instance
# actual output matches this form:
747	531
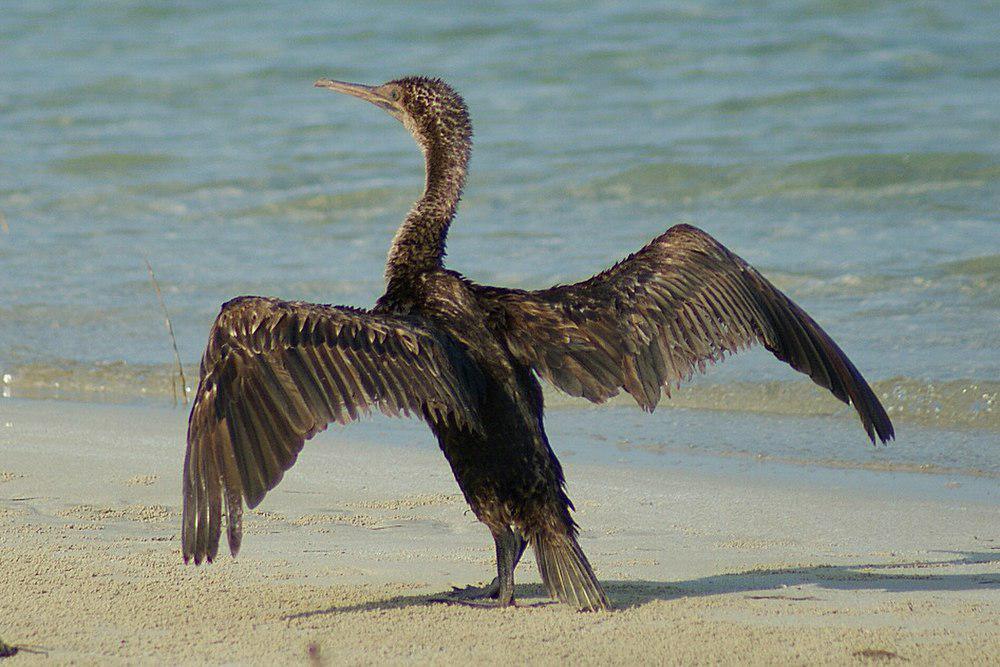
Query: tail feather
567	574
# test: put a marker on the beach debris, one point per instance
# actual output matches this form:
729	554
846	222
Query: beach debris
6	650
312	651
878	655
173	340
790	598
142	480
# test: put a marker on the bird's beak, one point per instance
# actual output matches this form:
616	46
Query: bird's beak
368	93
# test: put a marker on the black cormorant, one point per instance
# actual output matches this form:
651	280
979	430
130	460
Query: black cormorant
464	357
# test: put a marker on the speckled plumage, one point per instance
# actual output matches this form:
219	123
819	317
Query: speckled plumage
464	357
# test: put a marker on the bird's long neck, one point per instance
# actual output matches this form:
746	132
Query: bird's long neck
419	244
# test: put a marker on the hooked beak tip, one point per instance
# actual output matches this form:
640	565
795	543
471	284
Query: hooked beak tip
361	91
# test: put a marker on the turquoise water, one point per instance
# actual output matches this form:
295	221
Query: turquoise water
850	150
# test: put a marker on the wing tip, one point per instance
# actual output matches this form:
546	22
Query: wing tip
235	540
877	421
199	557
885	431
879	427
209	555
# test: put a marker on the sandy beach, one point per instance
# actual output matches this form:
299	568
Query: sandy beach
704	564
163	158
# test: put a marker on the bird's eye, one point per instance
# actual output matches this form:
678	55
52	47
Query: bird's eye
394	95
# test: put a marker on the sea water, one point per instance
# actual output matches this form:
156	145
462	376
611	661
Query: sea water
849	150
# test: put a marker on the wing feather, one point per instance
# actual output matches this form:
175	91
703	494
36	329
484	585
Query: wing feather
661	314
275	373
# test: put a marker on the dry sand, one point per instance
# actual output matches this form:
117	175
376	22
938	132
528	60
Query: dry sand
815	567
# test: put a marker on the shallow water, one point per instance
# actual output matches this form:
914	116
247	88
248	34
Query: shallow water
849	150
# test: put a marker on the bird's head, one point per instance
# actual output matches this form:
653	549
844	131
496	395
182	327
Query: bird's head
430	109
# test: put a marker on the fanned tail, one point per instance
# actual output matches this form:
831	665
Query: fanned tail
567	574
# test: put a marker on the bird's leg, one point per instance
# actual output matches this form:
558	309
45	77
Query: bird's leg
500	592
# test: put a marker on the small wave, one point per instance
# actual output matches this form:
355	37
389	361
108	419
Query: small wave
209	187
888	170
793	99
822	43
949	404
285	73
110	382
986	265
665	181
111	164
366	204
477	30
109	86
856	175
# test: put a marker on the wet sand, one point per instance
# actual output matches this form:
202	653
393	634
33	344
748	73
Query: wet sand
338	567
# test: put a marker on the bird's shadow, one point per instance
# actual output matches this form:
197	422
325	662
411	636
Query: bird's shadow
903	577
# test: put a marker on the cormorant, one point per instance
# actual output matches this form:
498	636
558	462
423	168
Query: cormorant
465	357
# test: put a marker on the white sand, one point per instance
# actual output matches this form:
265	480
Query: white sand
749	566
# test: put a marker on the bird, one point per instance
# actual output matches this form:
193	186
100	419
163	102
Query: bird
467	359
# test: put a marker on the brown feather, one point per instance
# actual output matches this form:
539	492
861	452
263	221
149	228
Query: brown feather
275	373
687	301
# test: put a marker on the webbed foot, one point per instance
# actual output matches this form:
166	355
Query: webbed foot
500	591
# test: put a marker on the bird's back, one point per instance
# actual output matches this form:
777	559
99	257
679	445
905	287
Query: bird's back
509	470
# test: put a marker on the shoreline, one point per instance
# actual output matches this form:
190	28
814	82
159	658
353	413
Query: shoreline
705	559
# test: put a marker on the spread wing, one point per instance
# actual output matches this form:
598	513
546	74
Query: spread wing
660	314
275	373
